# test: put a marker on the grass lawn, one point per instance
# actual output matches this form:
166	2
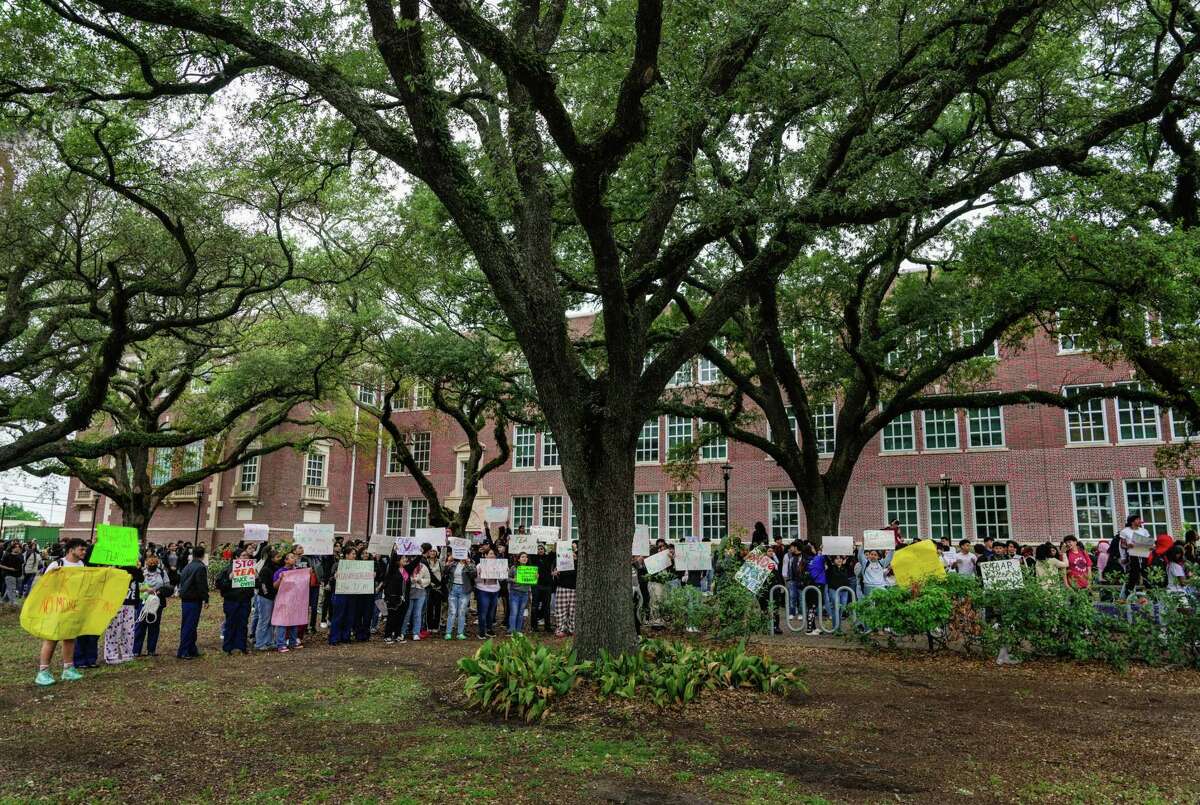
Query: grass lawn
379	723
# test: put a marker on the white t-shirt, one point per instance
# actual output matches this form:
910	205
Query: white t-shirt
964	563
1134	536
1175	576
63	562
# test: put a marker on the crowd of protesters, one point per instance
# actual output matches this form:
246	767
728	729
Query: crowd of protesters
434	594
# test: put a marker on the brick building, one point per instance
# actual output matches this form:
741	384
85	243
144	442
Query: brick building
1028	472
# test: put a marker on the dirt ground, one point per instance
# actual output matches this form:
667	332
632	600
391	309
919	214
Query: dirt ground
373	722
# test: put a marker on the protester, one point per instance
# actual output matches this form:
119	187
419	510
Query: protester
418	583
75	549
874	570
395	594
193	595
518	595
460	576
264	601
118	637
155	582
286	637
539	608
236	602
486	593
1049	568
1177	574
564	599
965	559
1079	564
12	566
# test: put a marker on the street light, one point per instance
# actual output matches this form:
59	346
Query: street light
946	505
725	470
3	512
370	500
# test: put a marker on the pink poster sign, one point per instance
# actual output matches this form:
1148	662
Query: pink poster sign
291	600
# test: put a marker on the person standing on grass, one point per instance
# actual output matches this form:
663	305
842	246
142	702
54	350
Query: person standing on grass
518	595
395	595
285	636
33	564
156	582
87	646
74	550
486	592
264	601
418	583
118	637
341	619
460	578
564	599
539	608
236	602
193	596
435	593
12	565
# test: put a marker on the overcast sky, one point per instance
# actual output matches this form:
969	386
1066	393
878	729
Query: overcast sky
35	493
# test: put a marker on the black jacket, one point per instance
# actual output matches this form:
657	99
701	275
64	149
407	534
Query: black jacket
264	582
193	582
228	591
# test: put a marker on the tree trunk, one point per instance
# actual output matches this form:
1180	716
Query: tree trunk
134	517
823	510
603	499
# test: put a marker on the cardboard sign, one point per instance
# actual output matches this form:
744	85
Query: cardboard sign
477	537
315	538
641	540
564	555
837	546
877	540
291	598
1002	574
255	532
658	562
436	537
916	562
545	533
73	601
115	545
526	574
693	556
355	577
1141	543
380	544
752	576
522	543
493	568
495	514
459	546
242	573
407	546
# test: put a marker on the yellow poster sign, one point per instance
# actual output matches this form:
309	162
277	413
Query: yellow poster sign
71	601
917	562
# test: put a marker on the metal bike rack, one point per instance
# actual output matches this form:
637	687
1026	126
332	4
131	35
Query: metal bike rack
820	614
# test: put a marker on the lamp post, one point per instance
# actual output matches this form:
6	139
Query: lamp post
725	470
3	513
370	500
96	498
946	506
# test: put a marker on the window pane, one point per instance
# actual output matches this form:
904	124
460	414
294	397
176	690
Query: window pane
162	466
1189	501
899	434
524	442
418	515
647	443
248	476
785	514
1093	510
683	375
645	511
393	518
679	515
522	512
420	450
945	512
991	511
825	427
552	511
679	432
1085	422
941	430
902	506
314	469
714	446
986	427
422	396
1148	499
972	332
549	450
712	515
395	465
1181	427
1136	421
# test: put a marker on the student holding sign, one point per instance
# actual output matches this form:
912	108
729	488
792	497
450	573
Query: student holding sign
486	593
523	577
72	557
235	600
460	580
564	593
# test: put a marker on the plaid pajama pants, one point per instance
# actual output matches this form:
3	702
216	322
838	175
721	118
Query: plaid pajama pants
564	610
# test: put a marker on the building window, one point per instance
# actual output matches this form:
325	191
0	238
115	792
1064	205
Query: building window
646	451
985	427
393	518
825	428
785	514
645	511
1073	342
679	515
1136	421
792	423
193	456
1189	501
162	466
712	515
552	511
524	447
945	512
679	433
682	376
902	505
1148	499
422	396
314	468
420	449
706	370
991	511
1182	429
550	457
713	446
941	430
972	333
1093	509
366	395
248	475
394	464
1085	421
899	434
418	515
522	512
574	521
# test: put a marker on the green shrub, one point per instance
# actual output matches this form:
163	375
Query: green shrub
515	676
215	568
683	606
729	613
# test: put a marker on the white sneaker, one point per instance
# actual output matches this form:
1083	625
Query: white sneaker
324	625
814	632
416	637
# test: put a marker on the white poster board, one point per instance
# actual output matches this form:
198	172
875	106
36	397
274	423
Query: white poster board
493	569
522	543
545	533
564	555
1142	543
315	538
355	577
657	563
459	546
1002	574
837	546
693	556
255	532
495	514
434	536
878	540
407	546
641	540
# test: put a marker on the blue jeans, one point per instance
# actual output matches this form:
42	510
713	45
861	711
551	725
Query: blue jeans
487	610
836	602
190	614
460	602
793	588
286	636
412	618
147	633
237	615
516	610
264	634
339	623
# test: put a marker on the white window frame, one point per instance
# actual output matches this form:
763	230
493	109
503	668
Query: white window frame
366	394
707	372
674	441
975	510
939	493
550	457
1066	390
642	517
674	518
555	502
684	376
524	438
1179	421
1079	524
243	485
1155	418
422	397
717	450
1141	510
971	331
394	465
912	435
774	513
971	431
518	502
322	451
655	446
1194	520
925	429
421	447
825	411
393	526
909	529
414	506
712	515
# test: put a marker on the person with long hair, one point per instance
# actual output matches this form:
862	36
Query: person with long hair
395	595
